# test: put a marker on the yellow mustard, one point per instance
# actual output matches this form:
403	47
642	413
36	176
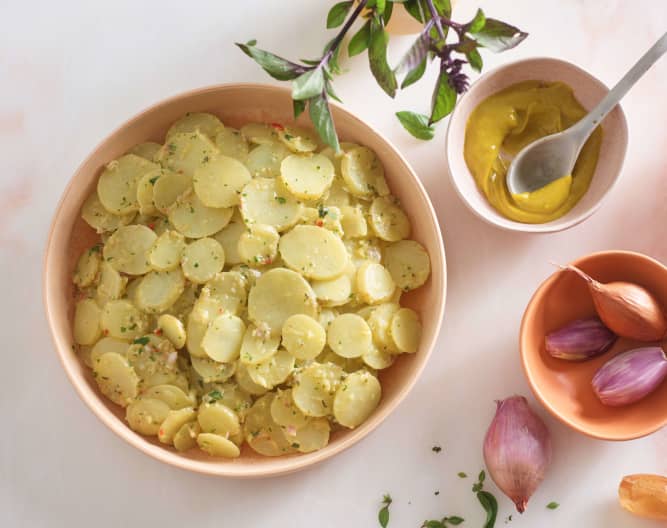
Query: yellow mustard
507	121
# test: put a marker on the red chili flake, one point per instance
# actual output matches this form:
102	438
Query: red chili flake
158	331
268	260
151	226
160	432
105	332
319	223
278	126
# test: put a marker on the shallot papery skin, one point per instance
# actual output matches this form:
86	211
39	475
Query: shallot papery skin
630	376
580	340
517	450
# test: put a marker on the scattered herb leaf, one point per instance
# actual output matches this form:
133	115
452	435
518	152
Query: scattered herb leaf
553	505
141	340
383	514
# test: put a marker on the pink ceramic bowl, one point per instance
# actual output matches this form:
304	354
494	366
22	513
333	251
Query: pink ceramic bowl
236	104
588	90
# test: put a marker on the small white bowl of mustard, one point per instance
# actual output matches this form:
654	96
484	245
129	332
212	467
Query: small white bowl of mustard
513	105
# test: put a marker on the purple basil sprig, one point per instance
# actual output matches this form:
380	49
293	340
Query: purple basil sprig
312	79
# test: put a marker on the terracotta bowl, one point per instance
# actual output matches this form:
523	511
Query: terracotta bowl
588	91
235	104
564	387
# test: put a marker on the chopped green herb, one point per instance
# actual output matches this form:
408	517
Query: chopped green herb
322	211
141	340
153	179
553	505
171	147
295	445
215	395
289	136
123	329
461	474
280	199
383	514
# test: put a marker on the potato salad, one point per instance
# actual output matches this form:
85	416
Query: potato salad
246	287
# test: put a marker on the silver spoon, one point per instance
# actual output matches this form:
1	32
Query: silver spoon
554	156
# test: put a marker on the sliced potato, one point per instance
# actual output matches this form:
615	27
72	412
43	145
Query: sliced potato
218	418
285	413
278	294
378	359
185	152
219	182
228	237
353	222
194	220
186	437
406	330
202	260
258	344
264	161
263	203
122	320
108	344
87	267
258	246
145	415
261	432
222	340
379	320
337	195
297	139
314	252
350	336
229	290
127	249
203	122
230	142
169	188
159	290
165	253
212	371
333	292
303	336
374	283
259	133
311	437
145	191
246	383
146	150
315	388
363	173
388	220
87	316
356	398
173	329
273	370
307	177
173	396
218	446
116	378
408	263
101	220
117	186
173	423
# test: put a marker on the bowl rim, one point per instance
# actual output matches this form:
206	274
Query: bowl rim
207	467
555	225
523	349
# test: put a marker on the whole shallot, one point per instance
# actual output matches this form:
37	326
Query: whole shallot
517	450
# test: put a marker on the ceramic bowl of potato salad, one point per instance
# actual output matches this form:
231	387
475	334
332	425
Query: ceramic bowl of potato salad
244	292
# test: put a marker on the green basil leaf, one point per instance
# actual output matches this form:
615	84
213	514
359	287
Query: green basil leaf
443	100
383	516
298	107
388	10
338	13
481	477
360	40
275	66
377	58
330	91
498	36
414	75
433	524
320	115
308	85
443	7
417	52
380	6
415	9
490	505
553	505
454	520
477	23
416	124
475	60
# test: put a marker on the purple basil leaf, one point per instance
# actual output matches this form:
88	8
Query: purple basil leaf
415	9
320	115
377	58
417	52
275	66
498	36
477	23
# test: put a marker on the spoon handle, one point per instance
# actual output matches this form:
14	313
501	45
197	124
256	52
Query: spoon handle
587	124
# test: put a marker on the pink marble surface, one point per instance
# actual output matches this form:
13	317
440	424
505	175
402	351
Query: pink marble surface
72	71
